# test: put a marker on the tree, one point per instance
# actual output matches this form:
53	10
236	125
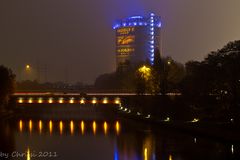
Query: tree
218	74
143	79
225	67
156	72
7	85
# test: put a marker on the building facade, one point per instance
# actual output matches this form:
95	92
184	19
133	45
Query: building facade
136	39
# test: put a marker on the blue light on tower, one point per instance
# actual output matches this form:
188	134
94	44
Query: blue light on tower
152	37
138	21
136	39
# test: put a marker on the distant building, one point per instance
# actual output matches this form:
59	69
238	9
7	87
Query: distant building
136	39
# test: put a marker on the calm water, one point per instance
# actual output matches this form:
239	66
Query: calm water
104	140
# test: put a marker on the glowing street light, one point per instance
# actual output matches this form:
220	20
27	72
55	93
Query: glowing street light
27	67
117	100
145	72
50	100
30	100
71	100
195	120
60	100
20	100
40	100
105	100
94	100
82	101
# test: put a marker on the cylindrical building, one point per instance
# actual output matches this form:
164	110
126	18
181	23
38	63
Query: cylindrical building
136	39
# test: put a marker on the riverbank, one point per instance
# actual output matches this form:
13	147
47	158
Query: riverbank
6	114
225	132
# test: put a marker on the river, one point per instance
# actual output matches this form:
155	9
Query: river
105	140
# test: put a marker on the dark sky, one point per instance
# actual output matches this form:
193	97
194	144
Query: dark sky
74	40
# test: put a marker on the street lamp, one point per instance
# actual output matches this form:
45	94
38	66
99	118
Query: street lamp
27	67
166	64
145	72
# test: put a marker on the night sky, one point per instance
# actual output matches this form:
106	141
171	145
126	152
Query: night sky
73	40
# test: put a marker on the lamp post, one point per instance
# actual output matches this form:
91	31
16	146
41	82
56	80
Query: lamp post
166	63
143	75
145	72
27	67
27	71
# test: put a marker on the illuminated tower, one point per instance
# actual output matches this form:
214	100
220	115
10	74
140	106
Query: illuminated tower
136	39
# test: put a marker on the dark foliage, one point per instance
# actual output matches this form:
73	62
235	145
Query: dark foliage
7	84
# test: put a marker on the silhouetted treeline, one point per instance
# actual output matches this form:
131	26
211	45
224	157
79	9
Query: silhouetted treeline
210	88
7	85
217	74
163	76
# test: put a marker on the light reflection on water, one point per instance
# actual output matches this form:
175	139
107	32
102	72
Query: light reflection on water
82	127
71	127
105	126
20	125
117	127
28	154
40	126
108	140
50	126
94	126
30	126
61	127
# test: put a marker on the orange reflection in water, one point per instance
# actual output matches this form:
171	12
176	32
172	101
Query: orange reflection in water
40	126
145	154
61	127
30	125
50	124
105	127
82	127
71	127
170	157
28	154
117	127
20	125
94	126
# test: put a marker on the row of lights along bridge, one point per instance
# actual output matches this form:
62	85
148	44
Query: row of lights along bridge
61	100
